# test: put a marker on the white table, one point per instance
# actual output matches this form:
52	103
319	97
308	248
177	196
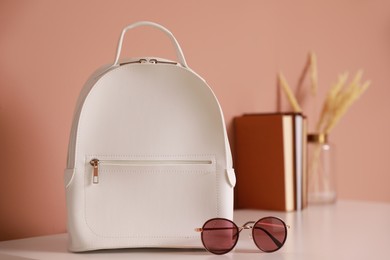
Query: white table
345	230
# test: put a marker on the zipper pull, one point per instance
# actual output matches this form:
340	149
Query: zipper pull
95	172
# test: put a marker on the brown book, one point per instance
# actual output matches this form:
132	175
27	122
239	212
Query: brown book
270	161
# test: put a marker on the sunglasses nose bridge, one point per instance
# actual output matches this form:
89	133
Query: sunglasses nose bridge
247	225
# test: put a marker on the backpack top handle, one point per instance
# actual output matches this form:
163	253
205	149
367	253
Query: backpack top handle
179	52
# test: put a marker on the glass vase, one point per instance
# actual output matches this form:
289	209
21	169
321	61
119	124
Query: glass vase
321	170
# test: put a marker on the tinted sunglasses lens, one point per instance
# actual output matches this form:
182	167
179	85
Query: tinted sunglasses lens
219	236
269	234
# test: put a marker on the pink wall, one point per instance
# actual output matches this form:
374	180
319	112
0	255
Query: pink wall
49	48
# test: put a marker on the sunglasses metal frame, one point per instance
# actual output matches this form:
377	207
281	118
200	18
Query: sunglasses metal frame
247	225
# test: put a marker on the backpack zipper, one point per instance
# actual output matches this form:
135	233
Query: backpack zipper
96	162
152	61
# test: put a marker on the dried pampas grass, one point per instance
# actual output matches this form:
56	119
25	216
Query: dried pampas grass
339	99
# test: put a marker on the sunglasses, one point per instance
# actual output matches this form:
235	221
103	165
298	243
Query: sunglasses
220	235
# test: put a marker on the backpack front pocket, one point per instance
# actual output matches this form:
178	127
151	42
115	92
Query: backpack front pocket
121	192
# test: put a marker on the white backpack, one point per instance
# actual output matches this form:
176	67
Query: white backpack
149	158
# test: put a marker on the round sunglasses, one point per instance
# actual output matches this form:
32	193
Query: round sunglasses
220	235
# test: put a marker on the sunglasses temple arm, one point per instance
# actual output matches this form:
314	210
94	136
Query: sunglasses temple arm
277	242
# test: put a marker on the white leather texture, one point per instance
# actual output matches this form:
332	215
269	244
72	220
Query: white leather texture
165	163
